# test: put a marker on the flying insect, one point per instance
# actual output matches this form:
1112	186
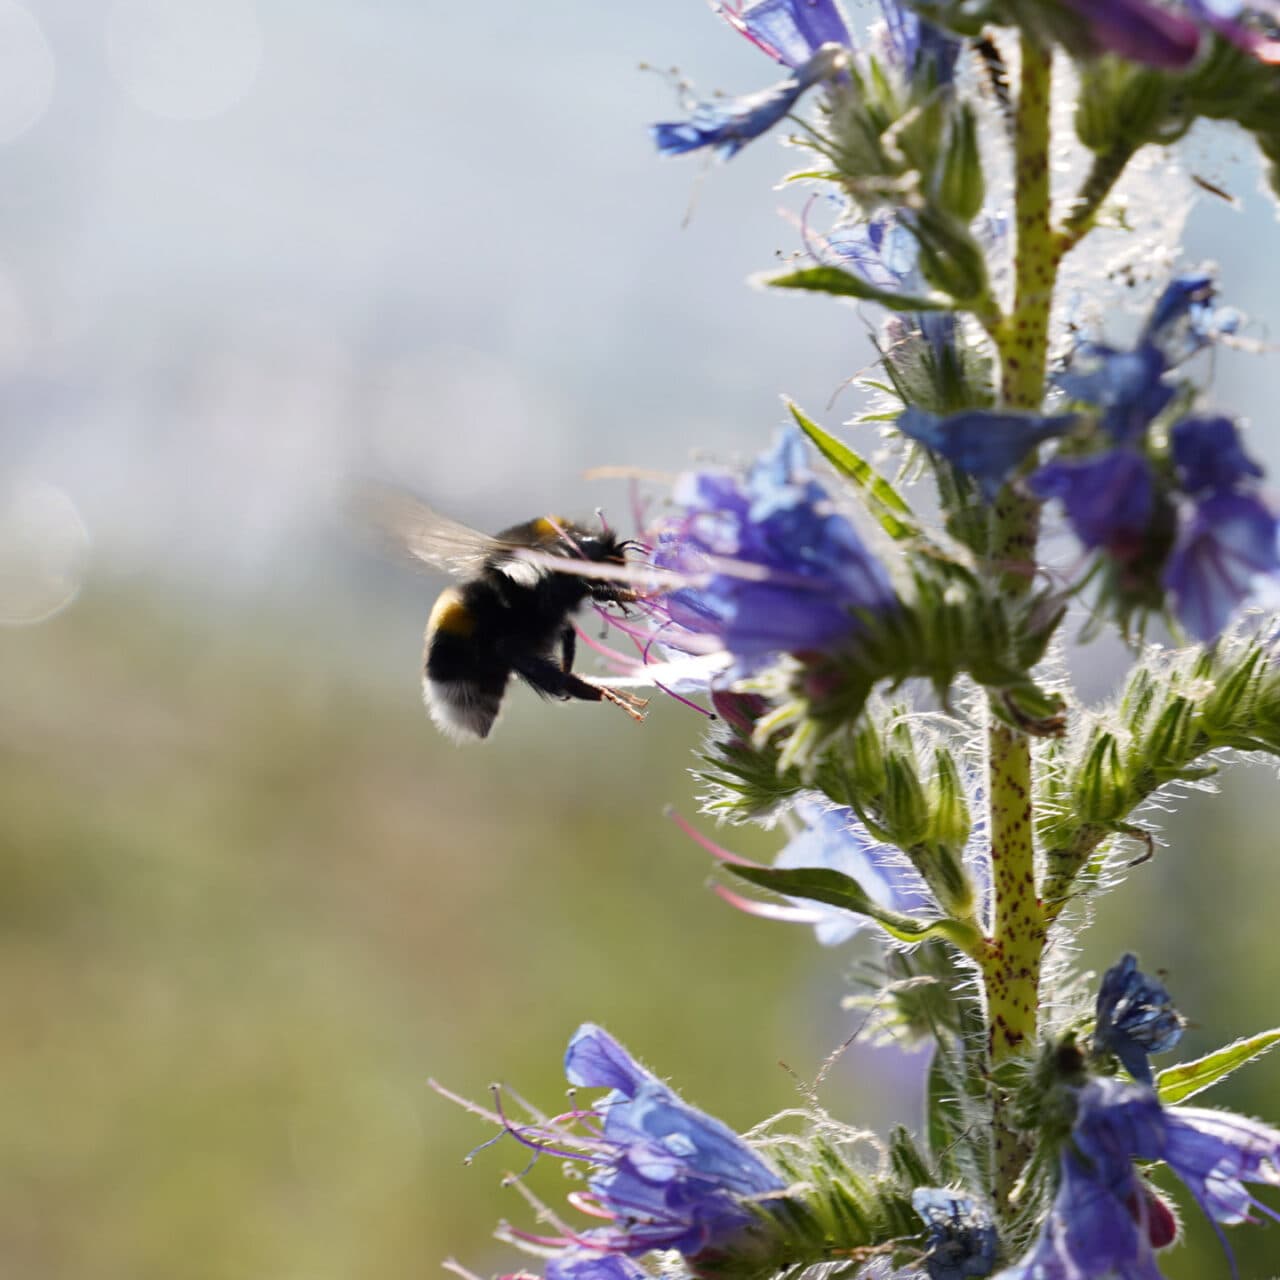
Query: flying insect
508	615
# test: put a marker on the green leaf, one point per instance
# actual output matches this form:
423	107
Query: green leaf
835	889
944	1111
856	468
1177	1084
845	284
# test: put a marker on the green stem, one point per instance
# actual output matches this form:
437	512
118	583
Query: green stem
1011	971
1103	175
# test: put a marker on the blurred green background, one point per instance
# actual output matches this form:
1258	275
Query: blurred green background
250	900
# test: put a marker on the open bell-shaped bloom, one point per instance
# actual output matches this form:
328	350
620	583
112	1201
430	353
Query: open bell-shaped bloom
984	444
791	31
728	124
1222	552
781	569
1104	1222
670	1176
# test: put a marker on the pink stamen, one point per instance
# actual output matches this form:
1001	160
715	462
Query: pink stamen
735	19
565	535
768	910
657	684
624	662
585	1203
679	697
465	1103
718	852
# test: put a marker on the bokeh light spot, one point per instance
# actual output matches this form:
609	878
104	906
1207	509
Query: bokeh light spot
26	71
44	552
184	59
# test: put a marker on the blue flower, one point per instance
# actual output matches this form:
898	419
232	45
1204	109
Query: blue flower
669	1175
1221	552
1129	386
836	839
1108	499
782	571
962	1240
1104	1221
1185	320
918	45
832	837
1209	457
1090	1233
1135	1018
581	1264
986	445
791	31
728	124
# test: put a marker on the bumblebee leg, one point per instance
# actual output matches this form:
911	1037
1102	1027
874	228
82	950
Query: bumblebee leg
568	649
549	679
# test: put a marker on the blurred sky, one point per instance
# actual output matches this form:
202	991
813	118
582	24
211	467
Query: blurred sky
247	250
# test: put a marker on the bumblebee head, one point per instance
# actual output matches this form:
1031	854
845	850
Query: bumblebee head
576	541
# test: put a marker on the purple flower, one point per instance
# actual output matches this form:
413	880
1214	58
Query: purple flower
1223	17
1103	1221
728	124
1147	32
1108	499
669	1175
791	31
1135	1018
1209	457
962	1240
1221	552
784	571
1140	30
983	444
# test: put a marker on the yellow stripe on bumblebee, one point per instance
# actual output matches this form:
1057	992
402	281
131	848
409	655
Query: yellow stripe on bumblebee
450	616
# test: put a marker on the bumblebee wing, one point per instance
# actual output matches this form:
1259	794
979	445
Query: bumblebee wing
409	527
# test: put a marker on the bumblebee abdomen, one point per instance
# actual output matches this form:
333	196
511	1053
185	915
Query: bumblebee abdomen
462	679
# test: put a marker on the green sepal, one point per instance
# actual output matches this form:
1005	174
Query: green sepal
951	259
1100	787
844	284
961	188
888	506
1178	1083
835	889
1172	714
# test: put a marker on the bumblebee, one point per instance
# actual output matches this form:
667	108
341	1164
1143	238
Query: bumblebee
509	615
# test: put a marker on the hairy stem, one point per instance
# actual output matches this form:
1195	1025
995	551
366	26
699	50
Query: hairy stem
1107	168
1011	970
